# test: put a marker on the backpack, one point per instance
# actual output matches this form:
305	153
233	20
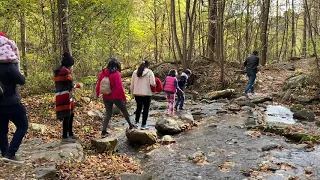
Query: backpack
1	89
105	87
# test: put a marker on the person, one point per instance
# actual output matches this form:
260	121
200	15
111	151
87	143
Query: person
11	108
64	101
251	66
140	89
158	88
170	86
182	82
117	95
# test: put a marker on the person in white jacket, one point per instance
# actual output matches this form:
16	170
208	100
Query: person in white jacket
140	89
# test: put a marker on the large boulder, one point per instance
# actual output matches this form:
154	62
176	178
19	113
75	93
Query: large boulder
304	115
227	93
55	151
159	97
176	124
257	99
46	172
296	81
108	144
142	136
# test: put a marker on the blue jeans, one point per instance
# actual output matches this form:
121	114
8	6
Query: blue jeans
20	120
252	78
180	100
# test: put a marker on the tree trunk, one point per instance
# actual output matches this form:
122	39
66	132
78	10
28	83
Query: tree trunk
247	28
264	31
155	20
304	36
192	29
162	37
63	11
220	39
174	30
293	38
212	28
277	32
55	45
311	36
23	42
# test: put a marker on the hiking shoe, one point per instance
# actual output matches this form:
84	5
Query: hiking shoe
105	134
246	95
137	124
181	108
68	140
175	108
13	159
144	127
73	137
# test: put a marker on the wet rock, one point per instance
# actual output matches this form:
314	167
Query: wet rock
317	123
176	124
301	146
273	167
233	107
45	172
159	97
108	144
245	108
142	136
252	133
287	95
257	99
54	151
227	93
296	107
213	125
232	141
37	127
270	147
304	115
167	139
196	155
296	81
96	114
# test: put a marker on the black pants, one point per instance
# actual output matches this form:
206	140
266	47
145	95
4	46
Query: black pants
20	120
145	102
108	103
67	126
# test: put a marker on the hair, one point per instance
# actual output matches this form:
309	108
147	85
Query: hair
255	53
187	71
143	65
173	73
114	65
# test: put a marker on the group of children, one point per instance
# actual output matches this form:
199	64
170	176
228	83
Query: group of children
173	86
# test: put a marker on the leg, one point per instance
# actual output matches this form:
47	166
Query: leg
253	79
249	84
178	101
146	106
108	106
183	97
71	125
20	120
65	127
139	107
4	144
121	105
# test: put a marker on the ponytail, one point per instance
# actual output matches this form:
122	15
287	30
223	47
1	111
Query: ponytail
141	68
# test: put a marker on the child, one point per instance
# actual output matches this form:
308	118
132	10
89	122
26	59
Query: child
64	102
158	88
170	86
182	85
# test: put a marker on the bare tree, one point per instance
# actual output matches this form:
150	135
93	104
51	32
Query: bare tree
63	13
212	28
264	31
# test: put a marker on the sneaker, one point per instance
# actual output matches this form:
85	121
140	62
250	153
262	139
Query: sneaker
13	159
68	140
105	134
137	124
175	108
181	108
144	127
246	95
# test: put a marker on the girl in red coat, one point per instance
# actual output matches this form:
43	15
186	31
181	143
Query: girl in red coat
117	95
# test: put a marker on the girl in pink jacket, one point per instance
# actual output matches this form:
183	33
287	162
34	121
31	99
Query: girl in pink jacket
170	86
